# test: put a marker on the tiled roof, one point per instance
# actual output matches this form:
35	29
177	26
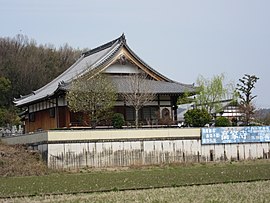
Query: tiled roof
95	58
157	87
88	60
161	87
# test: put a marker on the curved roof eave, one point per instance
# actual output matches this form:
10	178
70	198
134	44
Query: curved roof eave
70	73
146	65
99	57
153	70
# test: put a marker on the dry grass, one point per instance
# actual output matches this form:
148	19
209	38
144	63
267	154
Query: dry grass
18	161
231	192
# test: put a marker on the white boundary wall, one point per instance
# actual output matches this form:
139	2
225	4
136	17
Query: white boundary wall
117	148
134	153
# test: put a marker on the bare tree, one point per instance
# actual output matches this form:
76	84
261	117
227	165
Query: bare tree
245	87
94	96
139	92
29	66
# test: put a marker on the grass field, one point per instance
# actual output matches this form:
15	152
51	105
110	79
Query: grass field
231	192
133	179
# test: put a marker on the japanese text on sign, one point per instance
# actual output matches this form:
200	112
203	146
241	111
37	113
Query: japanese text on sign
235	135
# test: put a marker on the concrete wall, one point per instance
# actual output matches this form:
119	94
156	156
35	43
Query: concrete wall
98	135
26	138
137	153
118	148
134	134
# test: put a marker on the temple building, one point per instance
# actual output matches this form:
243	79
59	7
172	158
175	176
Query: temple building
47	107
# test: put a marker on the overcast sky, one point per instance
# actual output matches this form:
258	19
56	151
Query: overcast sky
180	39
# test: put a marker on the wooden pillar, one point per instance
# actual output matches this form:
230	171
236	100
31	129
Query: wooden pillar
125	110
171	104
28	126
159	113
57	112
67	117
174	107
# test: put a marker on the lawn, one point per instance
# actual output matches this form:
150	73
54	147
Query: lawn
134	179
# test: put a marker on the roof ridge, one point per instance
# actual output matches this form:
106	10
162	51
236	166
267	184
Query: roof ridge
101	60
122	38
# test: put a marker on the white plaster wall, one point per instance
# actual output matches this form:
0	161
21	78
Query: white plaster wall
118	68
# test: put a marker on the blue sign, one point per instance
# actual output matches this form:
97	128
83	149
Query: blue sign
235	135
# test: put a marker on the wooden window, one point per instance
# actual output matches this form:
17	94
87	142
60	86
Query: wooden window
32	117
130	114
52	112
146	113
149	114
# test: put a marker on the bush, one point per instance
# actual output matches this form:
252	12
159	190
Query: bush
197	117
118	120
8	117
222	122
